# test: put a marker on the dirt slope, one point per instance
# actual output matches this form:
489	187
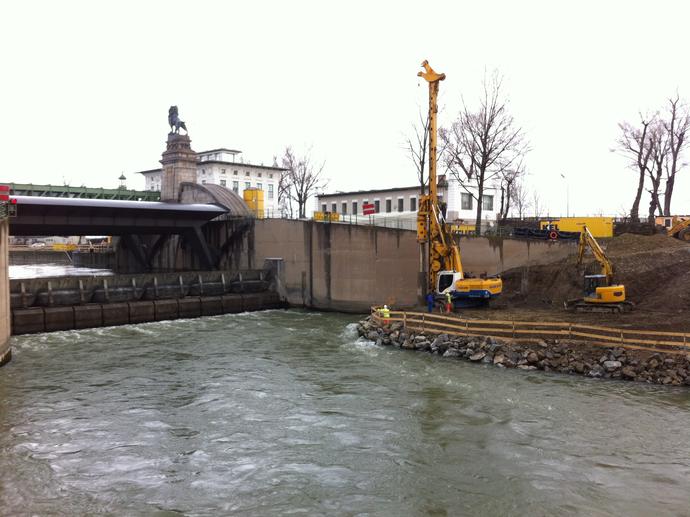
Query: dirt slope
654	269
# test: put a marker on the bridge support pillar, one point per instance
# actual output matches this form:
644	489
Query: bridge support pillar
179	165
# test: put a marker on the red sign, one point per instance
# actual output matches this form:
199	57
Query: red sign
368	209
4	192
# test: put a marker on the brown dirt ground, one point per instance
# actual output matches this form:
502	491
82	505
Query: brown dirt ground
654	269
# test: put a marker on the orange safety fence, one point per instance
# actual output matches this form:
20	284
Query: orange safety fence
638	339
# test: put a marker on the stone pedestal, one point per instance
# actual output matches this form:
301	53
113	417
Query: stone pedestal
179	165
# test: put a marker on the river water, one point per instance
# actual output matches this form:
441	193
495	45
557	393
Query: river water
281	412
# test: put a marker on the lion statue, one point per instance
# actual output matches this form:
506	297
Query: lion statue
174	121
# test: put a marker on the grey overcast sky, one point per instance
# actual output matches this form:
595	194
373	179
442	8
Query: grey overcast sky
86	85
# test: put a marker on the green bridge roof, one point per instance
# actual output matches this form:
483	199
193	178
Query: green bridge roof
28	189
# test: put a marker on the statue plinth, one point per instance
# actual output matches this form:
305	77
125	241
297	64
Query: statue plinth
179	165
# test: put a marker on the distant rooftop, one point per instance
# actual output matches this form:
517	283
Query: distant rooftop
221	150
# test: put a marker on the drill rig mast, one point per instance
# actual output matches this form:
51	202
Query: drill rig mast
444	264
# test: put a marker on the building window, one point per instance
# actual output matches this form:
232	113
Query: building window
152	187
259	174
203	171
401	204
234	173
222	183
236	186
270	176
246	173
487	203
323	207
389	206
354	208
203	182
260	186
343	208
377	206
247	184
466	201
413	204
270	191
222	171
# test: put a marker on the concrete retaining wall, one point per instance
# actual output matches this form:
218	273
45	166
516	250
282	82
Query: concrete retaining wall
349	268
48	319
5	352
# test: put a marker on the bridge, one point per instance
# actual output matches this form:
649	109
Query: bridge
29	189
128	219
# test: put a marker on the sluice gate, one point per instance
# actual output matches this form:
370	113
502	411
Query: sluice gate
65	303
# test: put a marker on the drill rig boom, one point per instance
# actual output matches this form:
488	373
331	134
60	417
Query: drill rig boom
445	273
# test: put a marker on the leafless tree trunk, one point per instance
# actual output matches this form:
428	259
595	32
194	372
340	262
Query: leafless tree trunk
677	128
509	180
304	177
520	198
659	145
634	144
284	188
482	145
537	207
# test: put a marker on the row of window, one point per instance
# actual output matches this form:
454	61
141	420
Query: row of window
235	173
466	202
377	206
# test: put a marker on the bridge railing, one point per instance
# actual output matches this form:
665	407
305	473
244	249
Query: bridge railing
640	339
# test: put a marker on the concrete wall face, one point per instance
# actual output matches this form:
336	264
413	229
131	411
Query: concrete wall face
343	267
349	268
4	293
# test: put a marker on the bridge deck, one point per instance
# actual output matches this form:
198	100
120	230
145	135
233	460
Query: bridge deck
72	216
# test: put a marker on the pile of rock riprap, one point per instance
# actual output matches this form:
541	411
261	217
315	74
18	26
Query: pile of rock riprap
549	355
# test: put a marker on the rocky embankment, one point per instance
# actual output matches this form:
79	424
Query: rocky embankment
547	355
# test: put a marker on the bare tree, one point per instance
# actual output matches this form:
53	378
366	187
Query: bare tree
508	182
284	188
304	178
659	145
537	207
521	200
634	143
417	147
482	145
677	127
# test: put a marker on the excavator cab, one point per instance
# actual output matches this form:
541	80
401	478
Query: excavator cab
598	290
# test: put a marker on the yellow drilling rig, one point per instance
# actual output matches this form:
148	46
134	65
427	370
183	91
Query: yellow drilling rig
444	264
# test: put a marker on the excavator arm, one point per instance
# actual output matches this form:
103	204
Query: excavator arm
588	240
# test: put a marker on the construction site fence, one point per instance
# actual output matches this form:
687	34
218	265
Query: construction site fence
636	339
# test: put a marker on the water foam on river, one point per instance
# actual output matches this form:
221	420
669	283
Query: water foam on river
289	411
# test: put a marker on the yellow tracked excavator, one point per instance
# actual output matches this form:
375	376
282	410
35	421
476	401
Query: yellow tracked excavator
445	274
680	230
601	294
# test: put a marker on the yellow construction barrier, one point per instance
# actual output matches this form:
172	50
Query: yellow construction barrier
333	217
64	247
598	226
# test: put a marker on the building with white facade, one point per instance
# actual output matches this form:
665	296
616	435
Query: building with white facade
224	167
402	203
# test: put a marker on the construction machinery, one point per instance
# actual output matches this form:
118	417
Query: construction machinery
444	264
680	229
600	293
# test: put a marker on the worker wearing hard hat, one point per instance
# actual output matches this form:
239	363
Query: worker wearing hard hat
385	314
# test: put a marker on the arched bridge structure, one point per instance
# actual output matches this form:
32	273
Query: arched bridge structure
133	221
